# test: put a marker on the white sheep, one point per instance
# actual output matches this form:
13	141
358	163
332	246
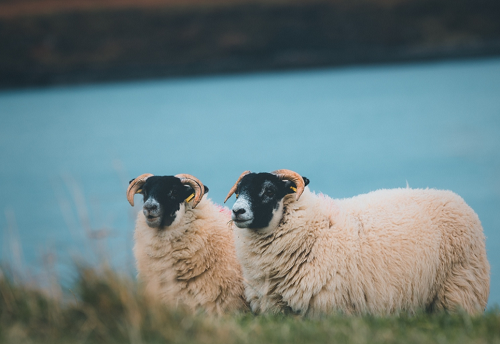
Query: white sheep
183	246
385	252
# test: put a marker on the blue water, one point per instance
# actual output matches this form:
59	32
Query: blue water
66	154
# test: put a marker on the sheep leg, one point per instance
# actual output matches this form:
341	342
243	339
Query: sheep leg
467	287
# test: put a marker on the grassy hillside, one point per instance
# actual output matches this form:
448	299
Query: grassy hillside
53	41
104	307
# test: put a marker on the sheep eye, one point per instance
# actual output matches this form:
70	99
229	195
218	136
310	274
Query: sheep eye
173	193
269	193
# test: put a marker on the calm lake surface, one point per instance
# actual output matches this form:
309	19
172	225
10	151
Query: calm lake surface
67	154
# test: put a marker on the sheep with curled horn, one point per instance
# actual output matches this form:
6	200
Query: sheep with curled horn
385	252
184	248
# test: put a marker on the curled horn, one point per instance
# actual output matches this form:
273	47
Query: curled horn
135	185
198	187
294	177
235	186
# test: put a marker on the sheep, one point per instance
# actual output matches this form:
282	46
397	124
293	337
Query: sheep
385	252
184	248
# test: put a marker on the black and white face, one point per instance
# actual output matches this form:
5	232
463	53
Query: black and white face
164	200
259	202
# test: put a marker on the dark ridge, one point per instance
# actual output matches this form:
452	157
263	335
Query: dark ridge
128	44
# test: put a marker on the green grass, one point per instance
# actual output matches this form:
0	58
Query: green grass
105	307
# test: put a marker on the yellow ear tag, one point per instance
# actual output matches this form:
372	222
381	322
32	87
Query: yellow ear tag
189	198
138	191
293	188
237	195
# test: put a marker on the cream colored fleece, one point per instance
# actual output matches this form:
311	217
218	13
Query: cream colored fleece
380	253
192	262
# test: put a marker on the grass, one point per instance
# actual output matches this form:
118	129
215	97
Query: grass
106	307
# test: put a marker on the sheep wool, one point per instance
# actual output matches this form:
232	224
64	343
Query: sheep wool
192	263
385	252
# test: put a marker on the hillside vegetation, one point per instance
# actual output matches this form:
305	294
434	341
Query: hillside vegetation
53	41
104	307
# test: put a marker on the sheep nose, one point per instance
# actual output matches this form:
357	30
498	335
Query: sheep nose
150	207
239	211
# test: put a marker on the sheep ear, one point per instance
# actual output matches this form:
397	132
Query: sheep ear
306	181
190	189
291	187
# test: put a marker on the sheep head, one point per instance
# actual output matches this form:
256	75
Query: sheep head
260	196
165	197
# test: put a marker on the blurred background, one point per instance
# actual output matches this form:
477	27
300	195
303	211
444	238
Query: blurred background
356	95
47	42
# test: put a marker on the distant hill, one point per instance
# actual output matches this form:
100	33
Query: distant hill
36	7
12	8
48	42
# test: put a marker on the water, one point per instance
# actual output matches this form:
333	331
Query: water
66	154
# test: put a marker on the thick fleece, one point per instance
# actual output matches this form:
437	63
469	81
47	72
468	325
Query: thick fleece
192	262
380	253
